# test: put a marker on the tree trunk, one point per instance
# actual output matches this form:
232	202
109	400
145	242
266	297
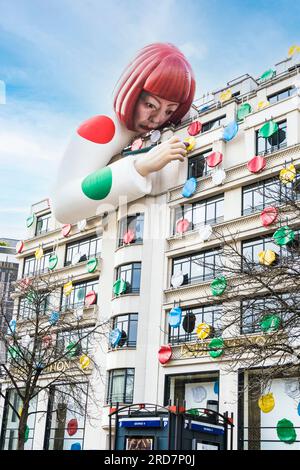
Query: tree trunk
22	427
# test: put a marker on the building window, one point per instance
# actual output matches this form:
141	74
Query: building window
86	248
208	211
210	314
10	424
34	267
253	310
67	406
213	124
127	324
27	310
131	274
84	335
77	297
197	390
265	193
275	142
199	267
134	223
281	95
42	224
197	165
120	386
251	249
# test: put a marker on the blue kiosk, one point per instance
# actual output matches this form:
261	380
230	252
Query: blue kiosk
144	426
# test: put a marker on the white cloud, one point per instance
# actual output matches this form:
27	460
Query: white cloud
194	51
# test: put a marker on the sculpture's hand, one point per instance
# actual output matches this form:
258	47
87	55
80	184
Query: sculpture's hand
160	156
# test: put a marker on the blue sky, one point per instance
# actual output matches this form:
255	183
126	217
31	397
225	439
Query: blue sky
60	60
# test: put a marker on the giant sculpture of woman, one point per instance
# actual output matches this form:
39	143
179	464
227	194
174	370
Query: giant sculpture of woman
156	88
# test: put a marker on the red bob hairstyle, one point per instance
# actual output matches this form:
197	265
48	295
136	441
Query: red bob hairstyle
162	70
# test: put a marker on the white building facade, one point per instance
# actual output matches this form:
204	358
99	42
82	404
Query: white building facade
132	372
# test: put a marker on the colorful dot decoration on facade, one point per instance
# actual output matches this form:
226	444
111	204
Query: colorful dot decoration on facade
190	143
269	216
13	351
205	232
288	175
270	323
230	131
76	446
194	128
214	159
267	129
293	50
243	111
54	317
267	257
30	220
72	349
12	327
218	177
175	316
114	337
182	225
266	403
225	95
119	287
47	341
189	322
177	279
283	236
137	144
39	253
25	341
262	104
256	164
68	287
98	129
189	187
92	265
84	362
53	260
72	427
218	285
90	298
129	237
19	247
286	431
26	435
66	229
203	330
267	75
81	225
216	347
164	354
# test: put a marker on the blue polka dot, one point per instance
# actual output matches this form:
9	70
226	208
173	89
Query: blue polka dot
76	446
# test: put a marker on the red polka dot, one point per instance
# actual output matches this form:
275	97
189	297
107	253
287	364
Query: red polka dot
98	129
269	216
214	159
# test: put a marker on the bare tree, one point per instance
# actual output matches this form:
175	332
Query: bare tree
257	293
38	359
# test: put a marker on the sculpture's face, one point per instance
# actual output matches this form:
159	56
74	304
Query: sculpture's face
151	112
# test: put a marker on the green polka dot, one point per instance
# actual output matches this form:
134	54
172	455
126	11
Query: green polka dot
97	185
286	431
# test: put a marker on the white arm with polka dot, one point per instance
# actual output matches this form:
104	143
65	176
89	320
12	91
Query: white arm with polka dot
86	185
